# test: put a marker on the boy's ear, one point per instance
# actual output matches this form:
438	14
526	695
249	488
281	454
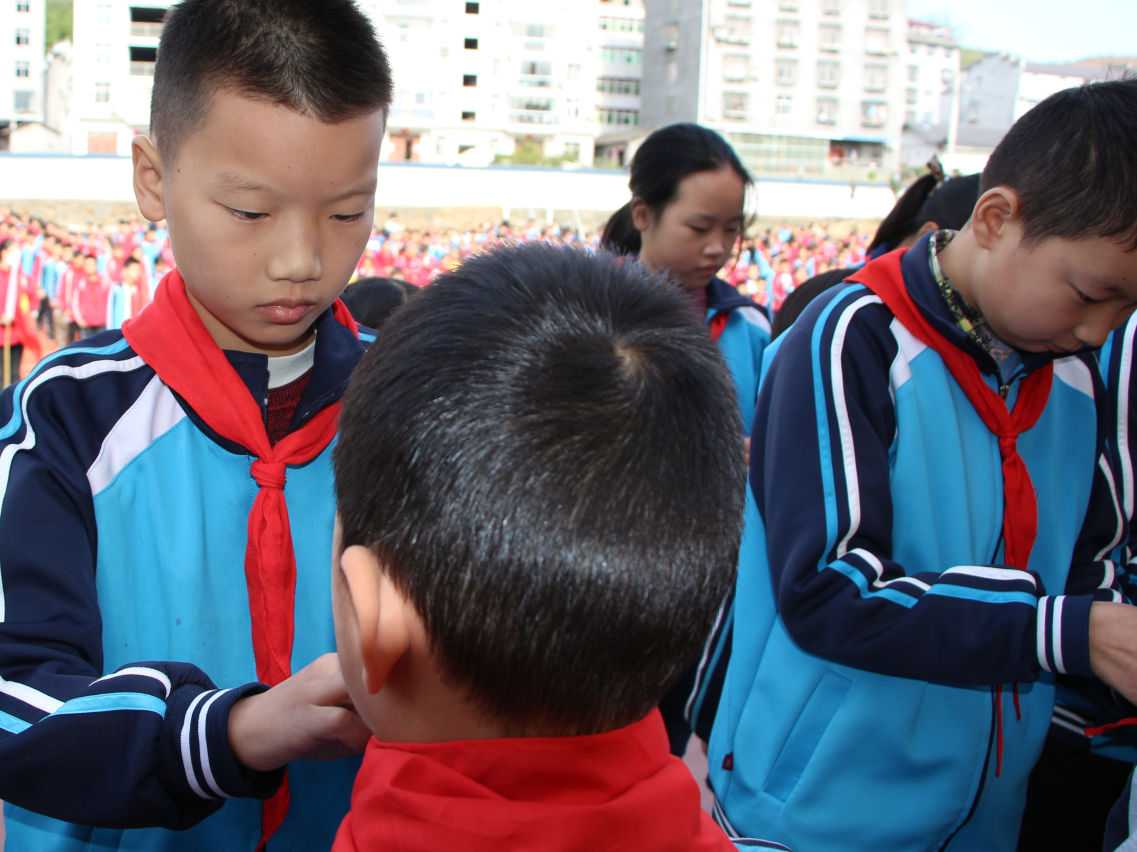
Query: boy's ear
382	613
148	171
993	211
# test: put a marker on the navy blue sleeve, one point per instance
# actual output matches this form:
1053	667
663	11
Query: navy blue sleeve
146	745
820	473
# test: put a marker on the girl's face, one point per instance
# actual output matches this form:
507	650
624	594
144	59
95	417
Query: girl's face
694	234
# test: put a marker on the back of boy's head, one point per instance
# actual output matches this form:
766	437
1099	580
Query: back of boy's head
1072	162
545	453
318	57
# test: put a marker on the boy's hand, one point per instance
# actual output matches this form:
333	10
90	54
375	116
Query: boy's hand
1113	646
307	716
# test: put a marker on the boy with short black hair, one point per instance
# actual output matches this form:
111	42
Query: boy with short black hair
133	526
939	512
540	503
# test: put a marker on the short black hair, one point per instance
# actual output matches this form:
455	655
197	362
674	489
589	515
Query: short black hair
372	299
666	157
1072	162
318	57
544	451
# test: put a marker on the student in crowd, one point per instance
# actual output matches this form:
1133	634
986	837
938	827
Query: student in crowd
166	491
517	582
87	295
372	300
17	328
686	214
931	203
937	512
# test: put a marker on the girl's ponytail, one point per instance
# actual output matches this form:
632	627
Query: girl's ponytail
620	235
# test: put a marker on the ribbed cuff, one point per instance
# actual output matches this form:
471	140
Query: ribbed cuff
206	765
1063	634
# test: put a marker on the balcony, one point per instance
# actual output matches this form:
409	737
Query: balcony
142	29
142	69
534	117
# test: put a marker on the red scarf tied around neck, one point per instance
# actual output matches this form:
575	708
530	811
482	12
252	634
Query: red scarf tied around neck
1020	506
171	338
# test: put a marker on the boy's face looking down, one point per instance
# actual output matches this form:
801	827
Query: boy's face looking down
1057	295
268	212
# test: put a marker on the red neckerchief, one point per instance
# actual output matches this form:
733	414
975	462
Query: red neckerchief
618	790
1020	505
170	337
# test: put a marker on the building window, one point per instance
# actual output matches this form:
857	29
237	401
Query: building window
831	7
23	36
142	61
572	151
22	68
788	33
146	22
617	86
948	76
913	73
788	5
622	25
785	71
876	78
532	110
734	105
103	14
784	105
828	74
826	110
472	8
621	56
618	116
878	8
735	68
468	115
910	116
947	53
671	36
574	73
536	73
102	93
737	26
830	36
470	44
572	108
535	31
103	54
910	96
874	114
22	101
23	6
440	146
876	41
469	80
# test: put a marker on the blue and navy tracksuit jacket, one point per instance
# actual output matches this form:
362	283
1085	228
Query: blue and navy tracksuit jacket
742	343
874	624
125	634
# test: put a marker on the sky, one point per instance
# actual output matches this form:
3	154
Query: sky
1038	30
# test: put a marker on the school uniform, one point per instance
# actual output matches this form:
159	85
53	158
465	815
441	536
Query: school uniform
903	607
133	611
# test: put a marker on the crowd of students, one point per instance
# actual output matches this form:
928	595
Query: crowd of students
578	503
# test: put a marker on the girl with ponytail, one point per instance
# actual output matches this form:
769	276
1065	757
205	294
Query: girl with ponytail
686	214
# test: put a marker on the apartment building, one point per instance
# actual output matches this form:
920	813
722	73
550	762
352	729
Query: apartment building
799	87
473	79
933	66
22	63
620	76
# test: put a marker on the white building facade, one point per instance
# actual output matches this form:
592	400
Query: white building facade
472	79
799	87
22	62
932	60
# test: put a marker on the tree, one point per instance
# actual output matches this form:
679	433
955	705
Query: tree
60	17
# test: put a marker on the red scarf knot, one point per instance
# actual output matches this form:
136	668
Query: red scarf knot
269	474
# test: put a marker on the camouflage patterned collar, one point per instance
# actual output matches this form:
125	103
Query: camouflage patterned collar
969	319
